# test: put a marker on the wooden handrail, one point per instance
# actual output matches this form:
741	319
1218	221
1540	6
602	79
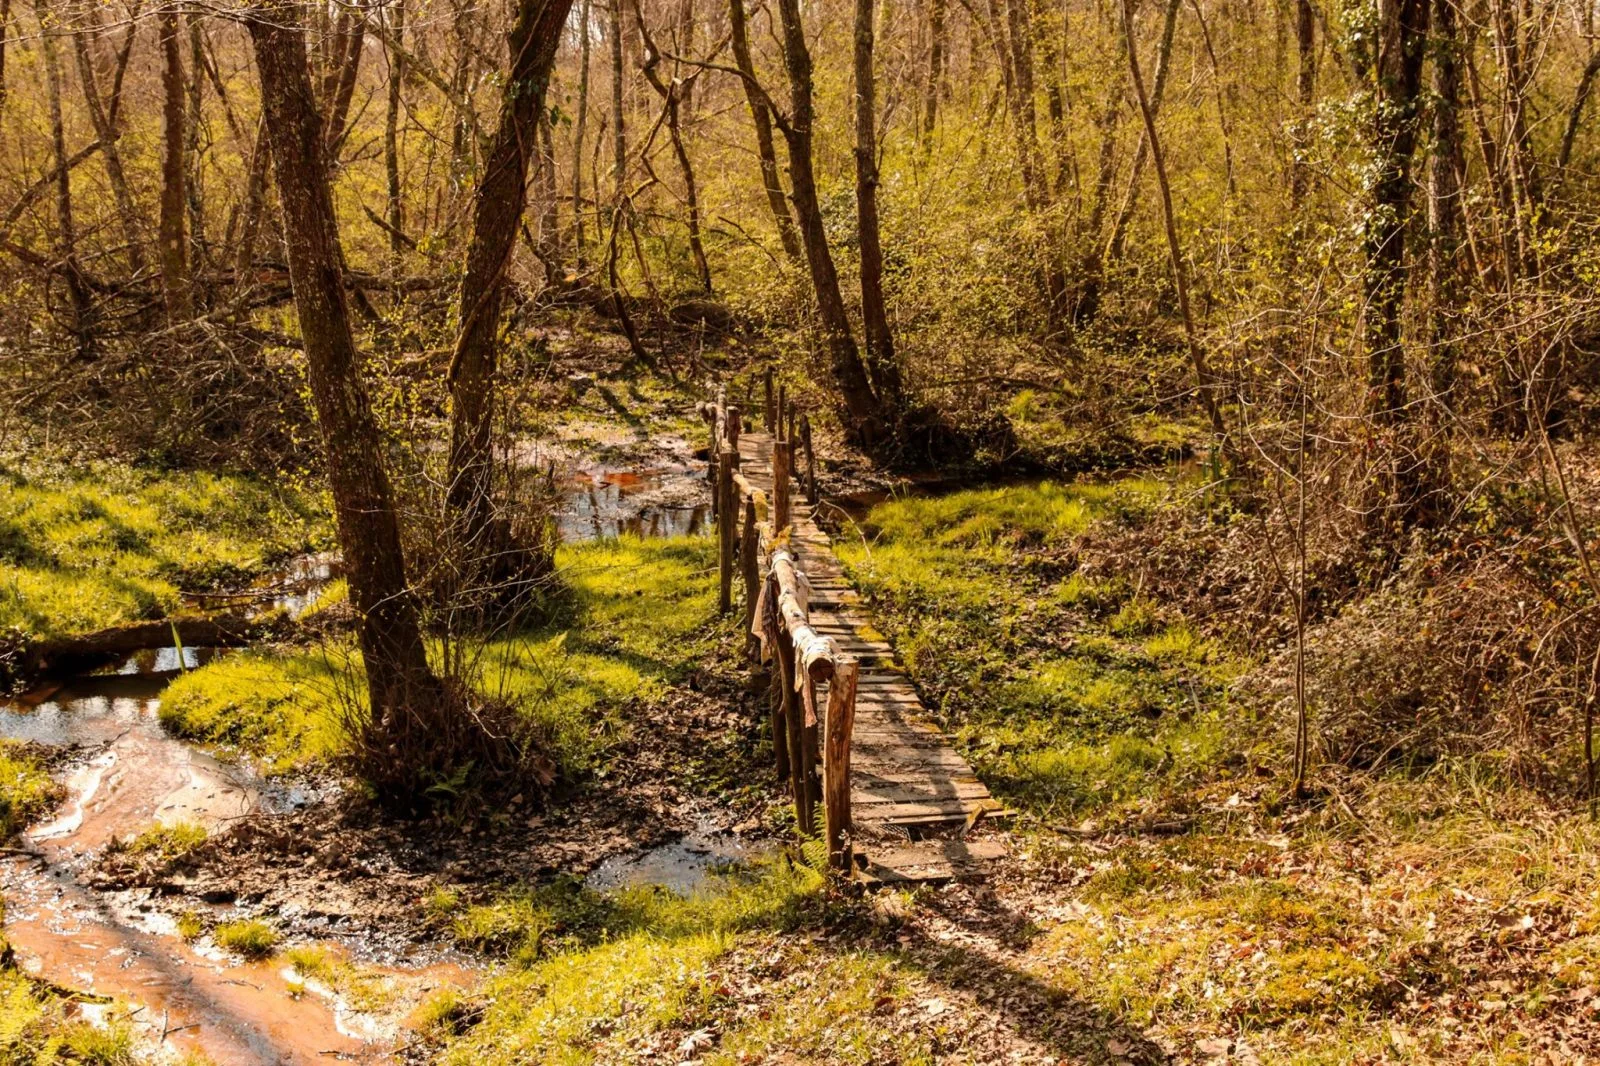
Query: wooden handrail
755	528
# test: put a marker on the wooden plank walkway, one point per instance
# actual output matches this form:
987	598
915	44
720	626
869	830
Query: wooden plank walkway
911	793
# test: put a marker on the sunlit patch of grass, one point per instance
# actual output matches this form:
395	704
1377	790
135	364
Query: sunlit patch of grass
169	841
281	704
361	989
111	543
633	618
38	1029
250	937
27	791
1152	943
627	964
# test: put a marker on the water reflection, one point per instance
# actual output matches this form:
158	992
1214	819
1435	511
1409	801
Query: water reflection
604	503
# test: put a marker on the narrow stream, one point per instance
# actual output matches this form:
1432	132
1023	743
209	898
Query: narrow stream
128	775
132	776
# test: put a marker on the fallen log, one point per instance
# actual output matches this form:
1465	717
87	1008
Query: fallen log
205	631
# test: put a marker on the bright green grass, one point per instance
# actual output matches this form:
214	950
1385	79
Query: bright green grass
1069	693
36	1029
112	543
27	791
249	937
634	618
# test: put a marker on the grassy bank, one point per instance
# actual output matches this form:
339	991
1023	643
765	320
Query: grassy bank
86	548
633	618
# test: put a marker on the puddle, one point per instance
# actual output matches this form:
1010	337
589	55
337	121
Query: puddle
292	589
132	774
682	865
601	503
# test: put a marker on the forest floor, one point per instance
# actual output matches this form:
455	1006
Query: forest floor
1163	900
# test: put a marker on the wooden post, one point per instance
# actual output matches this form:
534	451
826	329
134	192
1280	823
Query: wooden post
770	415
789	429
838	724
727	516
811	459
799	787
783	402
735	426
780	484
750	566
809	768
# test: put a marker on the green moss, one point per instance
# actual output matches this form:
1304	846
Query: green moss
249	937
38	1029
112	543
27	791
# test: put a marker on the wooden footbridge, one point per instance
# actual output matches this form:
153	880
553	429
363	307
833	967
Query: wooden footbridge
848	727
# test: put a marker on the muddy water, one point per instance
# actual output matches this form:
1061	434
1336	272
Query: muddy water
682	865
130	776
661	502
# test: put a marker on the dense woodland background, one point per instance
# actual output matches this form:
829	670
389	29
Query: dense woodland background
1342	256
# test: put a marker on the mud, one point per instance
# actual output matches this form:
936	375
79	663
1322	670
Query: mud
125	775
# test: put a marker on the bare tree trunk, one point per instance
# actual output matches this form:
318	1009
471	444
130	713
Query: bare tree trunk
5	26
1574	114
672	95
174	197
193	187
66	230
496	217
400	684
100	117
933	84
1202	372
619	138
549	204
391	136
340	86
875	317
255	201
1305	96
1019	36
580	121
761	116
1445	167
863	415
1141	154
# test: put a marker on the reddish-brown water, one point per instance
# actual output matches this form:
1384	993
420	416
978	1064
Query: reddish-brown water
134	775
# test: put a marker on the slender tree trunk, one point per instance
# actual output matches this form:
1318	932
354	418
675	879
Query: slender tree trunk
399	682
193	187
761	116
1202	371
862	413
5	26
391	136
340	86
66	229
1141	154
1396	81
496	217
1580	99
1445	167
549	203
579	122
875	317
619	137
255	203
174	196
1305	97
111	153
933	84
672	94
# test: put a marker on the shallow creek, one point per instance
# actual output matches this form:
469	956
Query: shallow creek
133	775
129	774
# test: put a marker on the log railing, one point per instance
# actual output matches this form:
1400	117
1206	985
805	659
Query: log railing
811	743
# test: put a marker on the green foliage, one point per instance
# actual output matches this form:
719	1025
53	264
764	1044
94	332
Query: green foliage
250	937
169	841
37	1029
113	543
